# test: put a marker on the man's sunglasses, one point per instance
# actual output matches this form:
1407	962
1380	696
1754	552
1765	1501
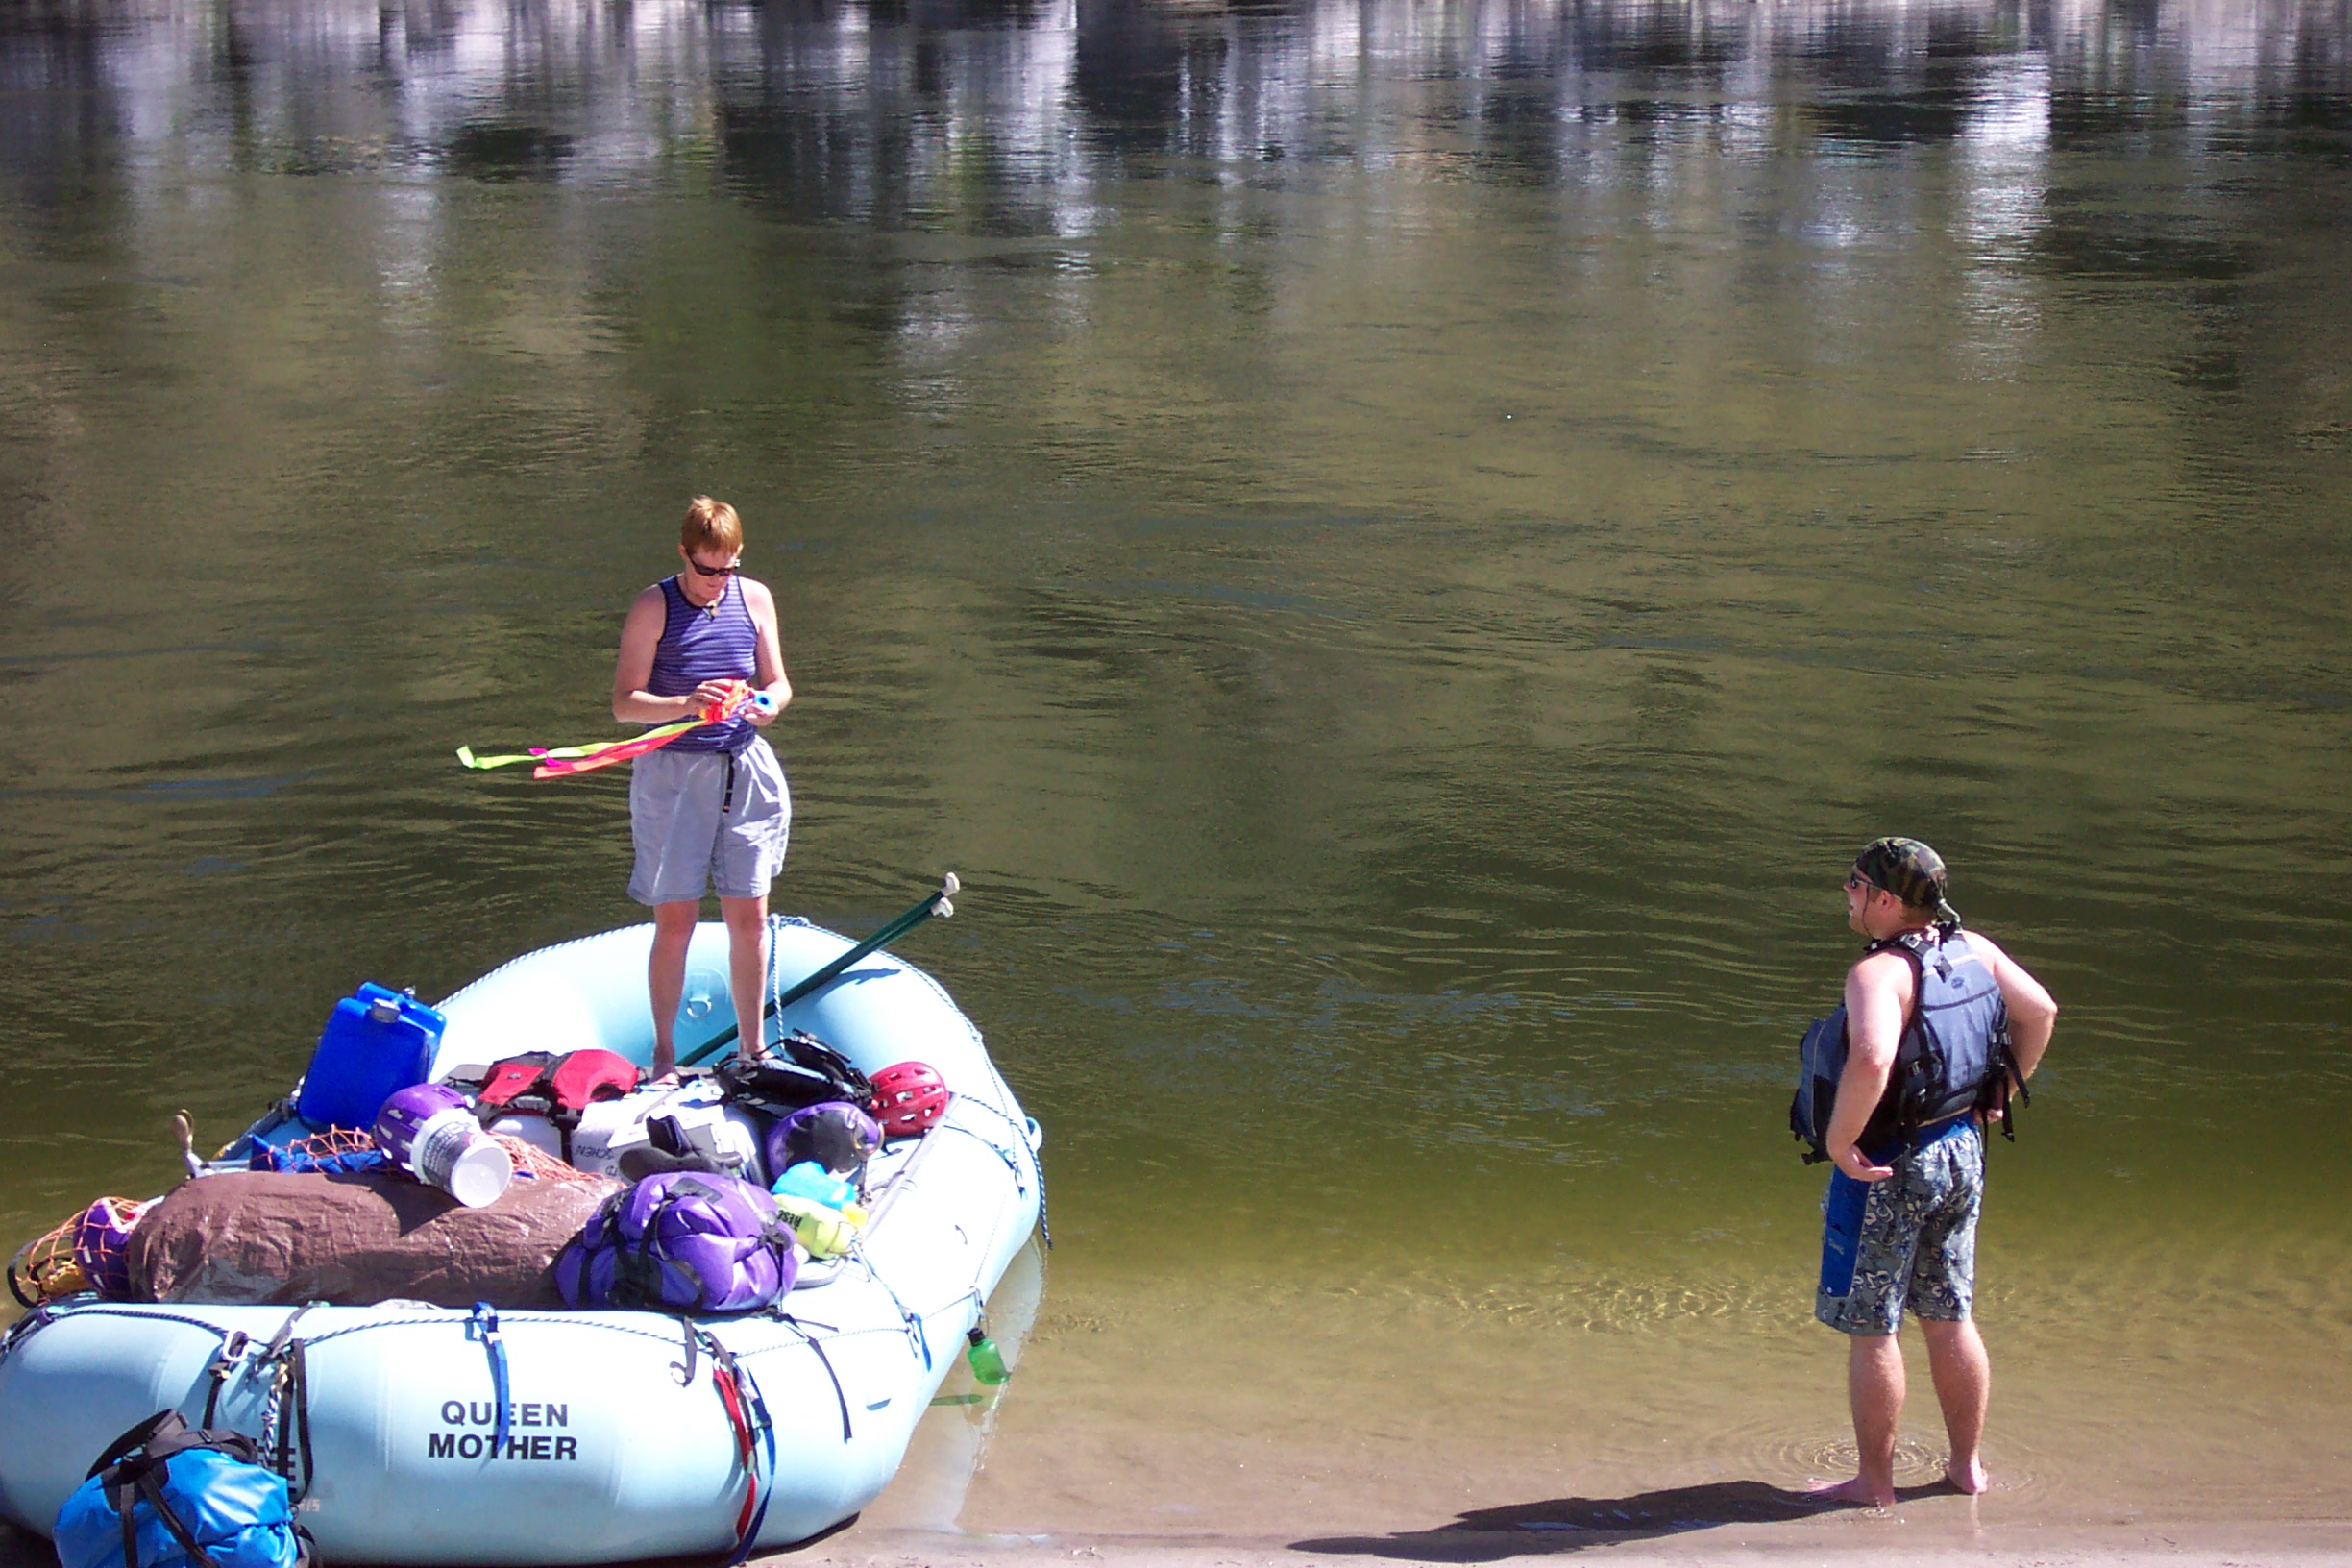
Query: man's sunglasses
726	571
1856	879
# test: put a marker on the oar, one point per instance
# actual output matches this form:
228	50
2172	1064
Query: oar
932	903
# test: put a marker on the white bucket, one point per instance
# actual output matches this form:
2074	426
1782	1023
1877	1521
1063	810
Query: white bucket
451	1152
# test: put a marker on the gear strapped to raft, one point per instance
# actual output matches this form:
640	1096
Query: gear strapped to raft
1953	1057
556	1085
800	1070
690	1242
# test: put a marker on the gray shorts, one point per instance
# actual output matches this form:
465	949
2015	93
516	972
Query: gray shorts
691	835
1908	1240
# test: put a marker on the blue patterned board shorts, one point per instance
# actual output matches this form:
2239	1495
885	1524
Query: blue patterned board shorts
1908	1240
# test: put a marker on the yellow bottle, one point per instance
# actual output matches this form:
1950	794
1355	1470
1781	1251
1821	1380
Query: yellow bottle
826	1231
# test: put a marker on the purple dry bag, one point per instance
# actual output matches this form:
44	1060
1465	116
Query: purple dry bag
837	1135
680	1241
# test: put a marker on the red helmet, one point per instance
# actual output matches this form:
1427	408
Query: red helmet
909	1096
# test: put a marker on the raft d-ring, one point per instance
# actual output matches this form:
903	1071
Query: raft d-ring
229	1361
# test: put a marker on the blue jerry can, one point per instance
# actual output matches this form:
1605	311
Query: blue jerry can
376	1042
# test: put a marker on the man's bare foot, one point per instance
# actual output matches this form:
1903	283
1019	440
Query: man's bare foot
1968	1479
1854	1493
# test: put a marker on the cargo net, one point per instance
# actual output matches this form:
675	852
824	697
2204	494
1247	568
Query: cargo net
534	1163
331	1144
347	1148
336	1149
87	1253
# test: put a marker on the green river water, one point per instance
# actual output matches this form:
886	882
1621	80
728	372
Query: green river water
1397	548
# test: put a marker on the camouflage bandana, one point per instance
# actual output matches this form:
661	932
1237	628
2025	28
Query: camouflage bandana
1911	871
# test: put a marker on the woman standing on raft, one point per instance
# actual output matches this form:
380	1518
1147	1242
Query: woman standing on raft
711	806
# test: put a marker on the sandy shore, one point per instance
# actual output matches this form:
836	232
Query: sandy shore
1853	1540
1856	1542
1915	1539
1193	1419
1175	1432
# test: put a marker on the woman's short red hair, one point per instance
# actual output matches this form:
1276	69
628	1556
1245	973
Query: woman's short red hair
711	526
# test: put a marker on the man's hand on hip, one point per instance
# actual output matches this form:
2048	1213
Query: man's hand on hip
1855	1164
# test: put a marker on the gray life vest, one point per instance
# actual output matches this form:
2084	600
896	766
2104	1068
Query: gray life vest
1954	1056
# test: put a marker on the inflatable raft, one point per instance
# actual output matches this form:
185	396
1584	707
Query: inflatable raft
421	1434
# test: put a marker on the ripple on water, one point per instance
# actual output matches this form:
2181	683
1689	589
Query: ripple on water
1605	1302
1800	1455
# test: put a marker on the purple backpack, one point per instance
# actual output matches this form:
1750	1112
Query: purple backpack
680	1241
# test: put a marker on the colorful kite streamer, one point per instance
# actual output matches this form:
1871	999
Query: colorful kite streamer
563	761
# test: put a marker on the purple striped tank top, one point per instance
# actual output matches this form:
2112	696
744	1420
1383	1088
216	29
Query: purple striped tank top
716	644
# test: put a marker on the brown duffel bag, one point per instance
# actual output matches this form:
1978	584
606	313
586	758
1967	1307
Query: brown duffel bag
277	1239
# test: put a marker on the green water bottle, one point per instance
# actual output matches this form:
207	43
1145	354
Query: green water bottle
987	1360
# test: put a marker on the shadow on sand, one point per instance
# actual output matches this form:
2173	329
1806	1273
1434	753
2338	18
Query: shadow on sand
1572	1524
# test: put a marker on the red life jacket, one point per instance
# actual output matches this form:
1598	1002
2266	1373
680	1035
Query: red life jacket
556	1087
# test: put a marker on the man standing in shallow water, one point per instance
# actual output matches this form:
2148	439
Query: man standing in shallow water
712	805
1900	1218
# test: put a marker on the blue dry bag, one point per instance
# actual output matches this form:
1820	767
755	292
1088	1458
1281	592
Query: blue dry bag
163	1496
